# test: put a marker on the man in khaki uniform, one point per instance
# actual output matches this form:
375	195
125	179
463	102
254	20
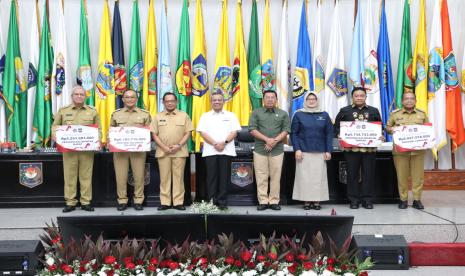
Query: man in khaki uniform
171	130
77	163
408	163
130	115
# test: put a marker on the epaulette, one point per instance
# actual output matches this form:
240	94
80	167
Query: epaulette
397	110
422	111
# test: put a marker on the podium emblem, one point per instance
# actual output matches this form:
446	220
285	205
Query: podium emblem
30	174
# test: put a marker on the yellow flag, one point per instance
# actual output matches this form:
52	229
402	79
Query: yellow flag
223	70
240	102
420	62
149	93
201	97
268	74
105	84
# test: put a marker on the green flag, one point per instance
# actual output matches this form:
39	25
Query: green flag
253	61
183	64
136	65
84	70
42	121
14	84
405	80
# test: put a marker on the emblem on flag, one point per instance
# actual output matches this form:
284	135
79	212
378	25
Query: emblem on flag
450	69
301	84
337	81
255	80
152	77
137	74
199	76
31	76
60	74
223	82
183	78
104	80
121	82
268	77
84	78
235	77
434	77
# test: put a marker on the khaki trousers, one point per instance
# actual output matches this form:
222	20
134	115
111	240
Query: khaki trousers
121	162
171	172
78	164
267	166
413	166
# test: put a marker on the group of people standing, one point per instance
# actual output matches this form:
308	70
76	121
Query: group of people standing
311	133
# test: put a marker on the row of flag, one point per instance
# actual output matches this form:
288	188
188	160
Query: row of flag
28	104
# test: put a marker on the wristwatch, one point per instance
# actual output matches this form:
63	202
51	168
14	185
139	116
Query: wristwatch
226	141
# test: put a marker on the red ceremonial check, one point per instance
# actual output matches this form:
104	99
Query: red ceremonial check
360	134
413	137
129	139
77	138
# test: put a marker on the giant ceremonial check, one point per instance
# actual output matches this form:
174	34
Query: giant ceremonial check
77	138
414	137
128	139
360	134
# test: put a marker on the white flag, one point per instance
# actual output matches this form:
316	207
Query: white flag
436	86
32	75
61	76
336	75
371	60
318	60
283	65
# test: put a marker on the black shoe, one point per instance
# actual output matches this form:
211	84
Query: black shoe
262	207
138	207
367	205
316	206
354	205
163	207
403	204
122	207
418	205
69	208
275	207
180	207
87	207
308	206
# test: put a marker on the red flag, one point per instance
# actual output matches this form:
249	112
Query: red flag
454	120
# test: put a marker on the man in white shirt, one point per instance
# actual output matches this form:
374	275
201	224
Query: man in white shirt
218	129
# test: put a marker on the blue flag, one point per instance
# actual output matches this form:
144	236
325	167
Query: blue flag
357	62
164	81
386	83
303	72
118	56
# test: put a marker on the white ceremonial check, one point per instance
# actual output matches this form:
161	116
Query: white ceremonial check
77	138
360	134
413	137
128	139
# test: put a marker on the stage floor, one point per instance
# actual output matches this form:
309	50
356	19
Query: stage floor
443	220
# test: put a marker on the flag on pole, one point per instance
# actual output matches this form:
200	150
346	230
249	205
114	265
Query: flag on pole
283	64
136	64
420	61
240	102
405	81
318	61
183	88
268	75
149	94
370	59
121	81
61	76
454	120
253	61
386	83
436	86
200	86
336	75
32	74
303	72
42	121
164	82
14	84
105	96
3	122
84	70
357	63
223	72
